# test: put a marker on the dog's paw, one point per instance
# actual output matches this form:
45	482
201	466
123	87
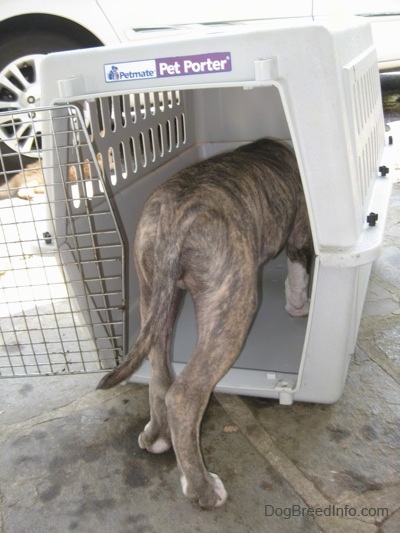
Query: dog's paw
155	445
219	489
214	496
32	188
298	311
26	193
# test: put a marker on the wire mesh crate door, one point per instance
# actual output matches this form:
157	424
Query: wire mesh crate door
92	245
63	286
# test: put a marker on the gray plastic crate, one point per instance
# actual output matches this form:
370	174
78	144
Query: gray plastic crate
162	103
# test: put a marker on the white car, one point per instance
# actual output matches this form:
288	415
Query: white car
31	28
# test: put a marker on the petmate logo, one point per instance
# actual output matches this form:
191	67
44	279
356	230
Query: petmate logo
132	70
212	63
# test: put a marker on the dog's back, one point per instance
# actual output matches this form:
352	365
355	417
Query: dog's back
254	192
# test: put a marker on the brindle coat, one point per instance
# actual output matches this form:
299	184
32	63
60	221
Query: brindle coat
207	230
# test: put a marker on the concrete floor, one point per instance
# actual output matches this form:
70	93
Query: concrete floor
69	458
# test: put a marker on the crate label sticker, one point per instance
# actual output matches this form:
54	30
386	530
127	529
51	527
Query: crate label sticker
168	66
132	70
198	64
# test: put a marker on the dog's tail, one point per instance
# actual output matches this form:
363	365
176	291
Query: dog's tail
166	274
132	361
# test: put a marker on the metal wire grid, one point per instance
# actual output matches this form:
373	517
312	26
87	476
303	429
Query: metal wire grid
62	283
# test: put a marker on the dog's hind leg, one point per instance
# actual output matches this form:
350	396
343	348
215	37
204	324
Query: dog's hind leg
156	437
224	318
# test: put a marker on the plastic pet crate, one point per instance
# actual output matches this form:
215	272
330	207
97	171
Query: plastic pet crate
172	98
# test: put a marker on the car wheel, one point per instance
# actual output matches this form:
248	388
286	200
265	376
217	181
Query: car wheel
20	57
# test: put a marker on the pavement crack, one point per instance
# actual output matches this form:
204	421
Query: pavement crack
89	400
242	416
248	424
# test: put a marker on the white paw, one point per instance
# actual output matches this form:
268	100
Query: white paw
219	490
141	442
184	485
26	194
303	310
160	445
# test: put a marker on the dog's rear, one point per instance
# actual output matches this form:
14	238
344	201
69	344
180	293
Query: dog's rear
207	230
157	257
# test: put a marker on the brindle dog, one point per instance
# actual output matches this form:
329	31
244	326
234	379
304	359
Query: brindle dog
207	230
